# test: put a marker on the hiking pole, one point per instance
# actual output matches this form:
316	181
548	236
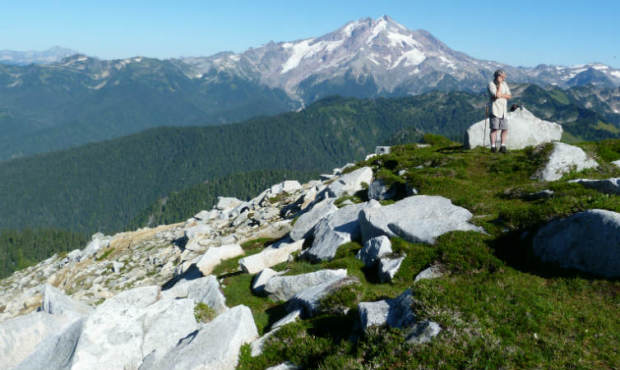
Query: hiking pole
486	116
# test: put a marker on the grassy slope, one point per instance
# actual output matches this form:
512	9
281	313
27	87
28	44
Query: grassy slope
498	306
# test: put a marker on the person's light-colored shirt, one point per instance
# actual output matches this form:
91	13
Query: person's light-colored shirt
498	106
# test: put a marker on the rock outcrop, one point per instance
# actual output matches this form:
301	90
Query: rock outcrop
563	159
270	256
285	287
350	183
588	241
608	186
335	229
419	218
215	345
525	129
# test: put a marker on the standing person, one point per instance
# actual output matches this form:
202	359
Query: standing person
499	94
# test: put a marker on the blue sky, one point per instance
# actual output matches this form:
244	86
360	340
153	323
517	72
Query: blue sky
516	32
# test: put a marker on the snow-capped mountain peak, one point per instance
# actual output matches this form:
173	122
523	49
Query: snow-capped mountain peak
378	56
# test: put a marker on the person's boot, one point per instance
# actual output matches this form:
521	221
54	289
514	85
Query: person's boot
502	149
493	149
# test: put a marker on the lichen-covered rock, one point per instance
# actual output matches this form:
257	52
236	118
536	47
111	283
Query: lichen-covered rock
587	241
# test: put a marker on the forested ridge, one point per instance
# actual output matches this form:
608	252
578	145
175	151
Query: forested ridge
167	174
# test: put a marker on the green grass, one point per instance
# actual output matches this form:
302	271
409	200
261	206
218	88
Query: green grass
498	306
203	313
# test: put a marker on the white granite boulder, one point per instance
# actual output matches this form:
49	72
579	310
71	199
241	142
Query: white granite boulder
525	129
215	255
270	256
419	218
215	345
227	203
388	267
563	159
205	289
56	351
373	249
284	287
378	190
608	186
130	326
56	302
287	186
309	299
23	336
98	241
432	272
335	229
350	183
259	281
587	241
616	163
305	222
397	313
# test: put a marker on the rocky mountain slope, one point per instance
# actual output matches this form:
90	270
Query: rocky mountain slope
134	172
431	255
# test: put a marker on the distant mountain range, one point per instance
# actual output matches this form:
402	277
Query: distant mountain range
52	55
80	99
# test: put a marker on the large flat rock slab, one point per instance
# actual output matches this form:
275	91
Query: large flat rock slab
215	255
419	218
525	129
563	159
215	345
270	256
130	326
284	287
20	337
587	241
56	351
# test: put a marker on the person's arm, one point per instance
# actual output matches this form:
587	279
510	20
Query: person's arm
508	95
493	90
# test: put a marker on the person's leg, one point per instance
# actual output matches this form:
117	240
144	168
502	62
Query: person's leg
504	136
493	137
